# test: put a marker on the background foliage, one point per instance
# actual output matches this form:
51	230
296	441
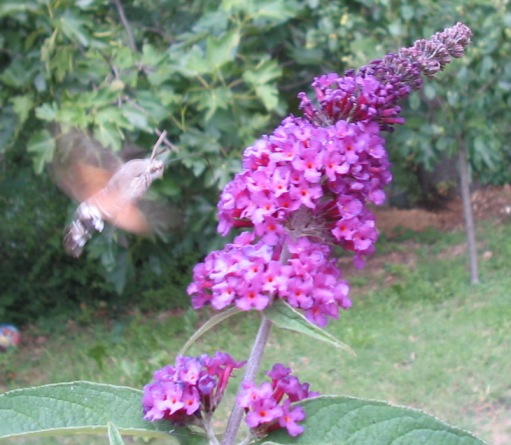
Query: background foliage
216	75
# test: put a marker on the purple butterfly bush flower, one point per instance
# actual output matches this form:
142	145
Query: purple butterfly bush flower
268	406
303	190
306	187
245	273
187	393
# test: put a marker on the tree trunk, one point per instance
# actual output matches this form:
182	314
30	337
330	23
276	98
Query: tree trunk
467	211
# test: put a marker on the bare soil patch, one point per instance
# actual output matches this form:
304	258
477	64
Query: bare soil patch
490	203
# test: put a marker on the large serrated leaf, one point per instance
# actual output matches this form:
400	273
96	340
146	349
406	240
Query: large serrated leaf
221	50
22	105
42	145
265	72
76	408
269	95
74	28
109	136
336	420
286	317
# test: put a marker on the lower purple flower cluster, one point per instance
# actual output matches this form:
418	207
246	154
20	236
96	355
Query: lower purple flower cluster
194	387
268	406
189	392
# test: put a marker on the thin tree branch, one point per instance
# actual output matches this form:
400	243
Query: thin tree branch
125	23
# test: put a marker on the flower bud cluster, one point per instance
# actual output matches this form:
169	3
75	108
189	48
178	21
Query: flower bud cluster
374	91
190	390
268	406
355	98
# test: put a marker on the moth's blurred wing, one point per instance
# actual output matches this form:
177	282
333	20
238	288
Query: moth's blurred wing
119	212
161	216
131	219
81	165
84	180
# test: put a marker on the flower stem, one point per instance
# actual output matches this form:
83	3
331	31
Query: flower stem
251	372
253	363
206	424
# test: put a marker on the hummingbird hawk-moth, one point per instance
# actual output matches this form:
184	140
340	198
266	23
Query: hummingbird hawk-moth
108	189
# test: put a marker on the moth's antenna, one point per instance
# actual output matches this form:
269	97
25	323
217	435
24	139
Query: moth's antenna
160	140
168	143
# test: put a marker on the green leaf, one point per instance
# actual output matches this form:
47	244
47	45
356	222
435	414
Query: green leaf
111	115
151	56
8	121
75	408
453	98
308	56
169	97
483	152
340	420
42	145
212	22
19	74
114	437
221	50
407	12
269	95
8	8
275	11
98	353
414	101
47	112
149	102
265	72
286	317
62	62
194	140
136	117
193	62
264	11
73	28
161	74
211	323
214	99
121	268
22	105
109	136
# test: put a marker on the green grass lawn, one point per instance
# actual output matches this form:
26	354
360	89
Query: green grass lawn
423	337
